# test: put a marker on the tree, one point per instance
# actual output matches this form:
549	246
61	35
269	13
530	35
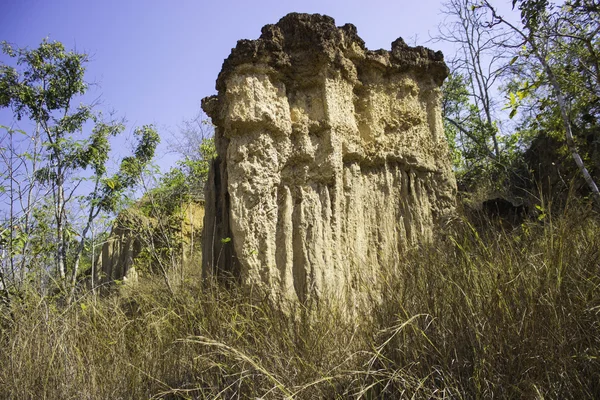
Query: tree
563	42
43	87
472	105
19	158
195	144
174	195
462	123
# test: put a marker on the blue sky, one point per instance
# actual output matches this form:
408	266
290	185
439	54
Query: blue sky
155	60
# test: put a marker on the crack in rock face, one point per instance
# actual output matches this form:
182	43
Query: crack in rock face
332	160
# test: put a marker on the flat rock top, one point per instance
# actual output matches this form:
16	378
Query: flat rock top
314	39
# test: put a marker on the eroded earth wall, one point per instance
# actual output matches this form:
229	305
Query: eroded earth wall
134	231
331	160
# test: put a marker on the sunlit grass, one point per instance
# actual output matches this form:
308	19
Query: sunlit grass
498	314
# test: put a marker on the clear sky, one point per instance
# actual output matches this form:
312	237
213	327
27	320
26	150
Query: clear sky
155	60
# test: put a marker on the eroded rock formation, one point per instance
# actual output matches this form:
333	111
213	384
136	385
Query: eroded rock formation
135	232
331	159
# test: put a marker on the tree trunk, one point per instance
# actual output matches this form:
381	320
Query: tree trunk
569	133
61	251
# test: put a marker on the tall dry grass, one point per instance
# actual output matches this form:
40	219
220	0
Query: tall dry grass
483	313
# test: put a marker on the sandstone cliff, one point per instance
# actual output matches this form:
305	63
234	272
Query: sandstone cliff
331	159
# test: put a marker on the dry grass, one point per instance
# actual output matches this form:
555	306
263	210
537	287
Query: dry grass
509	315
